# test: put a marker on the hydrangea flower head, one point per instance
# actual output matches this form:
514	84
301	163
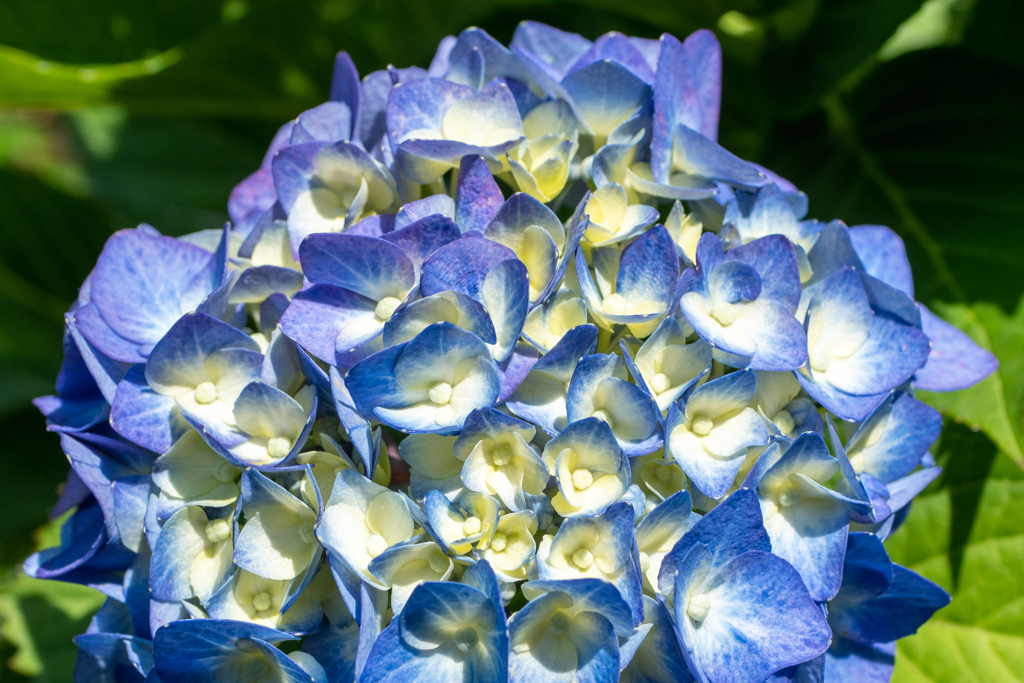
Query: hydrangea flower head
466	391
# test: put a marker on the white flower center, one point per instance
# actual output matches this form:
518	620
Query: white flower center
261	601
663	473
501	455
724	312
206	393
698	607
702	425
225	473
582	479
466	638
559	623
499	542
471	526
256	669
218	530
784	421
614	304
820	361
440	393
789	497
386	308
375	545
604	416
278	447
439	563
661	383
583	558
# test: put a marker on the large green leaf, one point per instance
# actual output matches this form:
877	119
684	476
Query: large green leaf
995	404
967	536
38	619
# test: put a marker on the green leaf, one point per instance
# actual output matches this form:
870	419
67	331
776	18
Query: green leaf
967	536
27	80
39	618
995	404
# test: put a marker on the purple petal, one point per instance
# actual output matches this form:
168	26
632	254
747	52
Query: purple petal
955	361
478	197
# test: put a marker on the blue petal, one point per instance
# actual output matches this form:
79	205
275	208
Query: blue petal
687	90
331	322
506	294
517	214
761	596
733	281
194	650
697	155
905	489
724	394
293	167
452	307
955	362
371	267
373	607
658	659
899	611
832	250
770	212
883	255
811	535
257	283
908	428
329	122
733	527
598	384
105	371
372	382
345	86
588	651
604	94
477	196
176	549
617	48
335	649
649	269
890	356
462	266
488	423
541	396
839	403
867	572
498	61
514	369
179	357
435	204
847	660
143	416
557	48
142	284
272	548
774	260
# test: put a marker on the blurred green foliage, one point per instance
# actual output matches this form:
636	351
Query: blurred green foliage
895	112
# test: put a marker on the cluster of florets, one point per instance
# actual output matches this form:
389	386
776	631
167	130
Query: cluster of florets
505	370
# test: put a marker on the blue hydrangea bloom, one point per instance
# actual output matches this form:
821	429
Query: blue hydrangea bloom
504	370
